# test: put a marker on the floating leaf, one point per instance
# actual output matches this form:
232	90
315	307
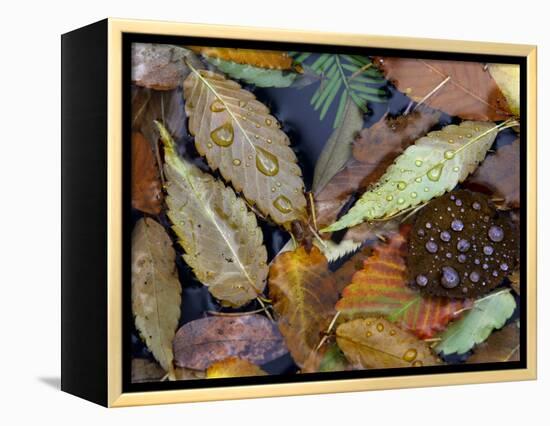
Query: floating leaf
377	343
146	185
239	137
337	150
233	367
488	313
156	291
507	78
374	150
161	66
202	342
499	176
144	370
501	346
149	106
432	166
380	287
463	89
270	59
303	296
221	238
344	77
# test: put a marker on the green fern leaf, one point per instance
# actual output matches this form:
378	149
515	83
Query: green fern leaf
432	166
343	76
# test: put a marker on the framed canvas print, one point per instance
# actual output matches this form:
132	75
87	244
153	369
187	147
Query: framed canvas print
254	212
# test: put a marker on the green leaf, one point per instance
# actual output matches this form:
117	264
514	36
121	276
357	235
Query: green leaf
261	77
337	149
333	360
489	313
432	166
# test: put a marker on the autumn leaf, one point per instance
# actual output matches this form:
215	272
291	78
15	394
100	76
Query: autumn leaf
146	185
200	343
507	78
459	88
343	275
303	298
156	290
145	370
239	137
337	150
161	66
271	59
501	346
380	287
149	106
377	343
499	176
221	238
233	367
374	150
488	313
432	166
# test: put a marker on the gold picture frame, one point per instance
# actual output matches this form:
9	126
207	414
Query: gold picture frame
116	28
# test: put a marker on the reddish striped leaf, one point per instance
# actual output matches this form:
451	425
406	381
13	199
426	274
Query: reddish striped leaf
381	288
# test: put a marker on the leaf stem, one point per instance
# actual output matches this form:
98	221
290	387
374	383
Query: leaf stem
329	329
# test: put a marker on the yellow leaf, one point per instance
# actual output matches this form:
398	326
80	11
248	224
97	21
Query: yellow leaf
238	136
233	367
377	343
259	58
507	79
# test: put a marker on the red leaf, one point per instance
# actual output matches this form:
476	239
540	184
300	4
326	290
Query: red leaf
381	288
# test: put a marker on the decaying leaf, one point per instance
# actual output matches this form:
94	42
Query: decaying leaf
432	166
166	106
515	281
499	176
145	370
146	186
233	367
202	342
271	59
221	238
374	230
344	274
380	288
507	78
377	343
501	346
156	290
161	66
374	151
337	150
488	313
460	88
303	298
238	136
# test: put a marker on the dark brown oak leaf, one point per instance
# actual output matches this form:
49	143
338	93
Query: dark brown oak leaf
463	89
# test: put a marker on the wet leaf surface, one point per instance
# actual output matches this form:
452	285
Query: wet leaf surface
202	342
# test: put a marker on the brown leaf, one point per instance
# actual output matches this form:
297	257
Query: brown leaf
189	374
515	281
233	367
303	297
202	342
374	150
144	370
271	59
166	106
343	275
501	346
160	66
146	185
499	176
470	93
372	230
376	343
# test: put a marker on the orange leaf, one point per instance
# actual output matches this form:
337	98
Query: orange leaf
146	186
259	58
470	93
381	288
303	294
233	367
